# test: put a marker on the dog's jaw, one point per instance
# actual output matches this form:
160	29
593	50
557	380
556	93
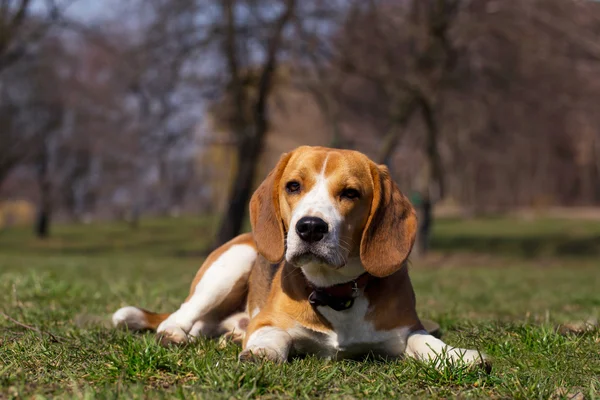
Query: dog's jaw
323	275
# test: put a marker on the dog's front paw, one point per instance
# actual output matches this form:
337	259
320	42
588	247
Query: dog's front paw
236	337
259	354
479	360
172	335
472	358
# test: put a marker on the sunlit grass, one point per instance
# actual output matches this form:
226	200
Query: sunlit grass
507	306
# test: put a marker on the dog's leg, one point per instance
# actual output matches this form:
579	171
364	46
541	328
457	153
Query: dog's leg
422	346
267	343
233	328
221	283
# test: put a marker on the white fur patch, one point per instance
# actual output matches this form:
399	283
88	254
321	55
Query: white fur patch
317	202
199	329
216	284
425	347
270	341
130	318
351	335
324	275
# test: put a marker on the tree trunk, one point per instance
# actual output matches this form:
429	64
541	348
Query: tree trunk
42	225
399	121
432	188
248	156
250	134
3	175
436	181
425	218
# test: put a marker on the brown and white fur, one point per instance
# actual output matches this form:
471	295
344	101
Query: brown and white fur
255	288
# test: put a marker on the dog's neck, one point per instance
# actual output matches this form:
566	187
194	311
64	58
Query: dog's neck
324	276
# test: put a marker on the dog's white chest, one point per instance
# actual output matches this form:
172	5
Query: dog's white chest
352	335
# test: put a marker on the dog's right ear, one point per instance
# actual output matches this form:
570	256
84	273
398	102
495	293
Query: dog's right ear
391	228
265	215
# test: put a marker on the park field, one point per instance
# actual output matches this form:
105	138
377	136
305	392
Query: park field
500	285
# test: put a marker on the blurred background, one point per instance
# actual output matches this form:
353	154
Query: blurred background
160	110
133	133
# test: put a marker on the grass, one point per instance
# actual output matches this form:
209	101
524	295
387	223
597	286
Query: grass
486	287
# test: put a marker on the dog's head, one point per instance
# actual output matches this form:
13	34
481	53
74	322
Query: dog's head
328	210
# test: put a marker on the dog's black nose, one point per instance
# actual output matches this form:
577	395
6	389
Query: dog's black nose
311	229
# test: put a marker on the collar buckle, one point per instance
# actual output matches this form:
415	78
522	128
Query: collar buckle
355	289
338	301
320	298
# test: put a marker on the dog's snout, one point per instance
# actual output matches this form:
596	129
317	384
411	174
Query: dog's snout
311	229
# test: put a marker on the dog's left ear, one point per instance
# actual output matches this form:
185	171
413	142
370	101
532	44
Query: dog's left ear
265	215
391	227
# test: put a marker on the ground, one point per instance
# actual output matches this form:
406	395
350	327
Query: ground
499	285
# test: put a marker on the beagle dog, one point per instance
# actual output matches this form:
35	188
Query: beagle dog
323	272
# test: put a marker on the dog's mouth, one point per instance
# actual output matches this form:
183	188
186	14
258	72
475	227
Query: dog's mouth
310	257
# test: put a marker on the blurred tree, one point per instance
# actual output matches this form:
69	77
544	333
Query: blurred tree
35	119
156	61
249	120
414	64
22	28
166	101
403	50
21	31
490	105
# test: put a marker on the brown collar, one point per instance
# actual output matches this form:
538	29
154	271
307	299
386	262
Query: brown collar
338	297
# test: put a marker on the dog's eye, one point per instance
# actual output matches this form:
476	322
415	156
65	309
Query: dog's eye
350	194
292	187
